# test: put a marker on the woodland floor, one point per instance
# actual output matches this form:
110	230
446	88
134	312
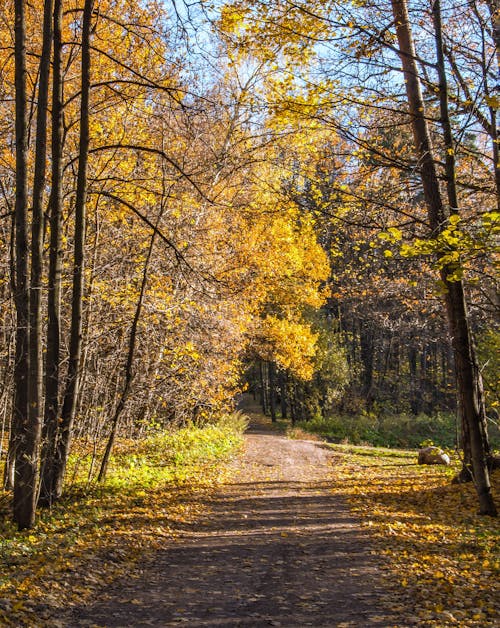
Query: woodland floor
276	547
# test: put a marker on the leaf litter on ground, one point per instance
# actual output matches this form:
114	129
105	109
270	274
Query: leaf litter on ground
442	559
99	533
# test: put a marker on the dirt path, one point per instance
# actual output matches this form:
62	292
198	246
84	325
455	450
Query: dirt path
277	549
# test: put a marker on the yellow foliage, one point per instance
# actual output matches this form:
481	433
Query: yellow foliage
291	345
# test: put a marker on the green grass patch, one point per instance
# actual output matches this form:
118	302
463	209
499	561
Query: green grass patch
402	430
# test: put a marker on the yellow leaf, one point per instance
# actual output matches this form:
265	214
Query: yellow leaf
492	101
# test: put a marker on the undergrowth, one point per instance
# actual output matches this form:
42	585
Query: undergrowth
96	533
401	430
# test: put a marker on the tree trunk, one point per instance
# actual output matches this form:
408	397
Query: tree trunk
456	300
24	442
424	386
367	350
495	24
283	394
75	349
494	8
292	400
263	387
35	330
52	374
414	396
272	390
469	383
10	460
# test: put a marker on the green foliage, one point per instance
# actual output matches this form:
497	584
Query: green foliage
233	422
331	371
165	456
401	430
332	368
454	247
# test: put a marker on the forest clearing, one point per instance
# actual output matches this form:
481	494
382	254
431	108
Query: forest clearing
291	202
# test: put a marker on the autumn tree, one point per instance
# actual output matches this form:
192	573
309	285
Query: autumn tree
469	382
350	77
24	437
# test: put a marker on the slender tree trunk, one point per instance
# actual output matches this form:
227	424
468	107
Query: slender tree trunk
468	377
75	349
299	400
367	349
10	461
424	381
494	9
263	387
435	376
283	394
52	374
253	379
272	390
24	441
414	396
35	341
292	400
495	23
129	364
495	151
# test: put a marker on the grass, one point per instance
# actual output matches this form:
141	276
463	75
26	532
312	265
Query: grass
95	534
391	430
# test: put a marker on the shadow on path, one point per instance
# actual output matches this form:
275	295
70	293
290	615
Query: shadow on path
277	549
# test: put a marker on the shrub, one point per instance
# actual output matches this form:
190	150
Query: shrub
386	430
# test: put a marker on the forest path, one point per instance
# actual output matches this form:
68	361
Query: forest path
277	548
